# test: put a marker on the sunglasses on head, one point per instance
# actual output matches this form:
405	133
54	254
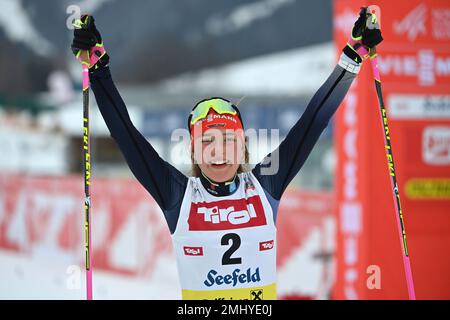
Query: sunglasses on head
219	105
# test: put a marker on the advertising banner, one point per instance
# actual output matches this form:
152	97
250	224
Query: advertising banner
414	61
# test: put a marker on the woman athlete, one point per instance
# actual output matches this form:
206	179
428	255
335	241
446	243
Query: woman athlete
223	218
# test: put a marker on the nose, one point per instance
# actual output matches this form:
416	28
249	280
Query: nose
218	146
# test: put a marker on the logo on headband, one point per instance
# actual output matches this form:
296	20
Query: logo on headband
215	120
218	117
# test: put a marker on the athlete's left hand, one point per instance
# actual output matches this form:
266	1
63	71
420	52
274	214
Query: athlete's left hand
366	32
367	29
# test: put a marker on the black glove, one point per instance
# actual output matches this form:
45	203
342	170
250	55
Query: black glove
87	37
367	29
366	32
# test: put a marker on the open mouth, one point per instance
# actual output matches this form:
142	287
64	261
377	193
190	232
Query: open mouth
219	164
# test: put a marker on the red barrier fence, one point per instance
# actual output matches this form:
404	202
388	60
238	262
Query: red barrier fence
43	216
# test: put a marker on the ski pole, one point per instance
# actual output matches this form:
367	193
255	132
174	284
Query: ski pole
391	166
372	53
363	52
84	58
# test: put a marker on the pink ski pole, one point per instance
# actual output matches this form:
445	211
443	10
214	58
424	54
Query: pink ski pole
83	56
373	9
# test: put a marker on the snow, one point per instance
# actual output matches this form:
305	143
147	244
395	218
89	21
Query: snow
23	277
69	117
292	73
243	16
18	27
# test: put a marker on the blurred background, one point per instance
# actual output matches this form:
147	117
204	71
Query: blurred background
337	218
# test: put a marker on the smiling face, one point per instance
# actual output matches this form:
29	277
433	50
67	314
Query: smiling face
219	153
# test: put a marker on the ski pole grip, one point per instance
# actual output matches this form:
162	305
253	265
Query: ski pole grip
374	19
375	22
83	23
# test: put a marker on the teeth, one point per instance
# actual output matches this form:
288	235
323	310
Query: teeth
218	162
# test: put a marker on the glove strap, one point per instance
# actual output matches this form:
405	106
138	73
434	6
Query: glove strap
348	64
92	57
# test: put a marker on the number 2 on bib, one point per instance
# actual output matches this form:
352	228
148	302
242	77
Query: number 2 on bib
235	244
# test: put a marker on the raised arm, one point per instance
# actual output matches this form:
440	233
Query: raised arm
298	144
165	183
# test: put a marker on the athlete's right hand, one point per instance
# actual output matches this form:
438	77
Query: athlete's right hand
86	38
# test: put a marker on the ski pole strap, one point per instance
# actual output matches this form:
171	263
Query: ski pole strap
348	64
